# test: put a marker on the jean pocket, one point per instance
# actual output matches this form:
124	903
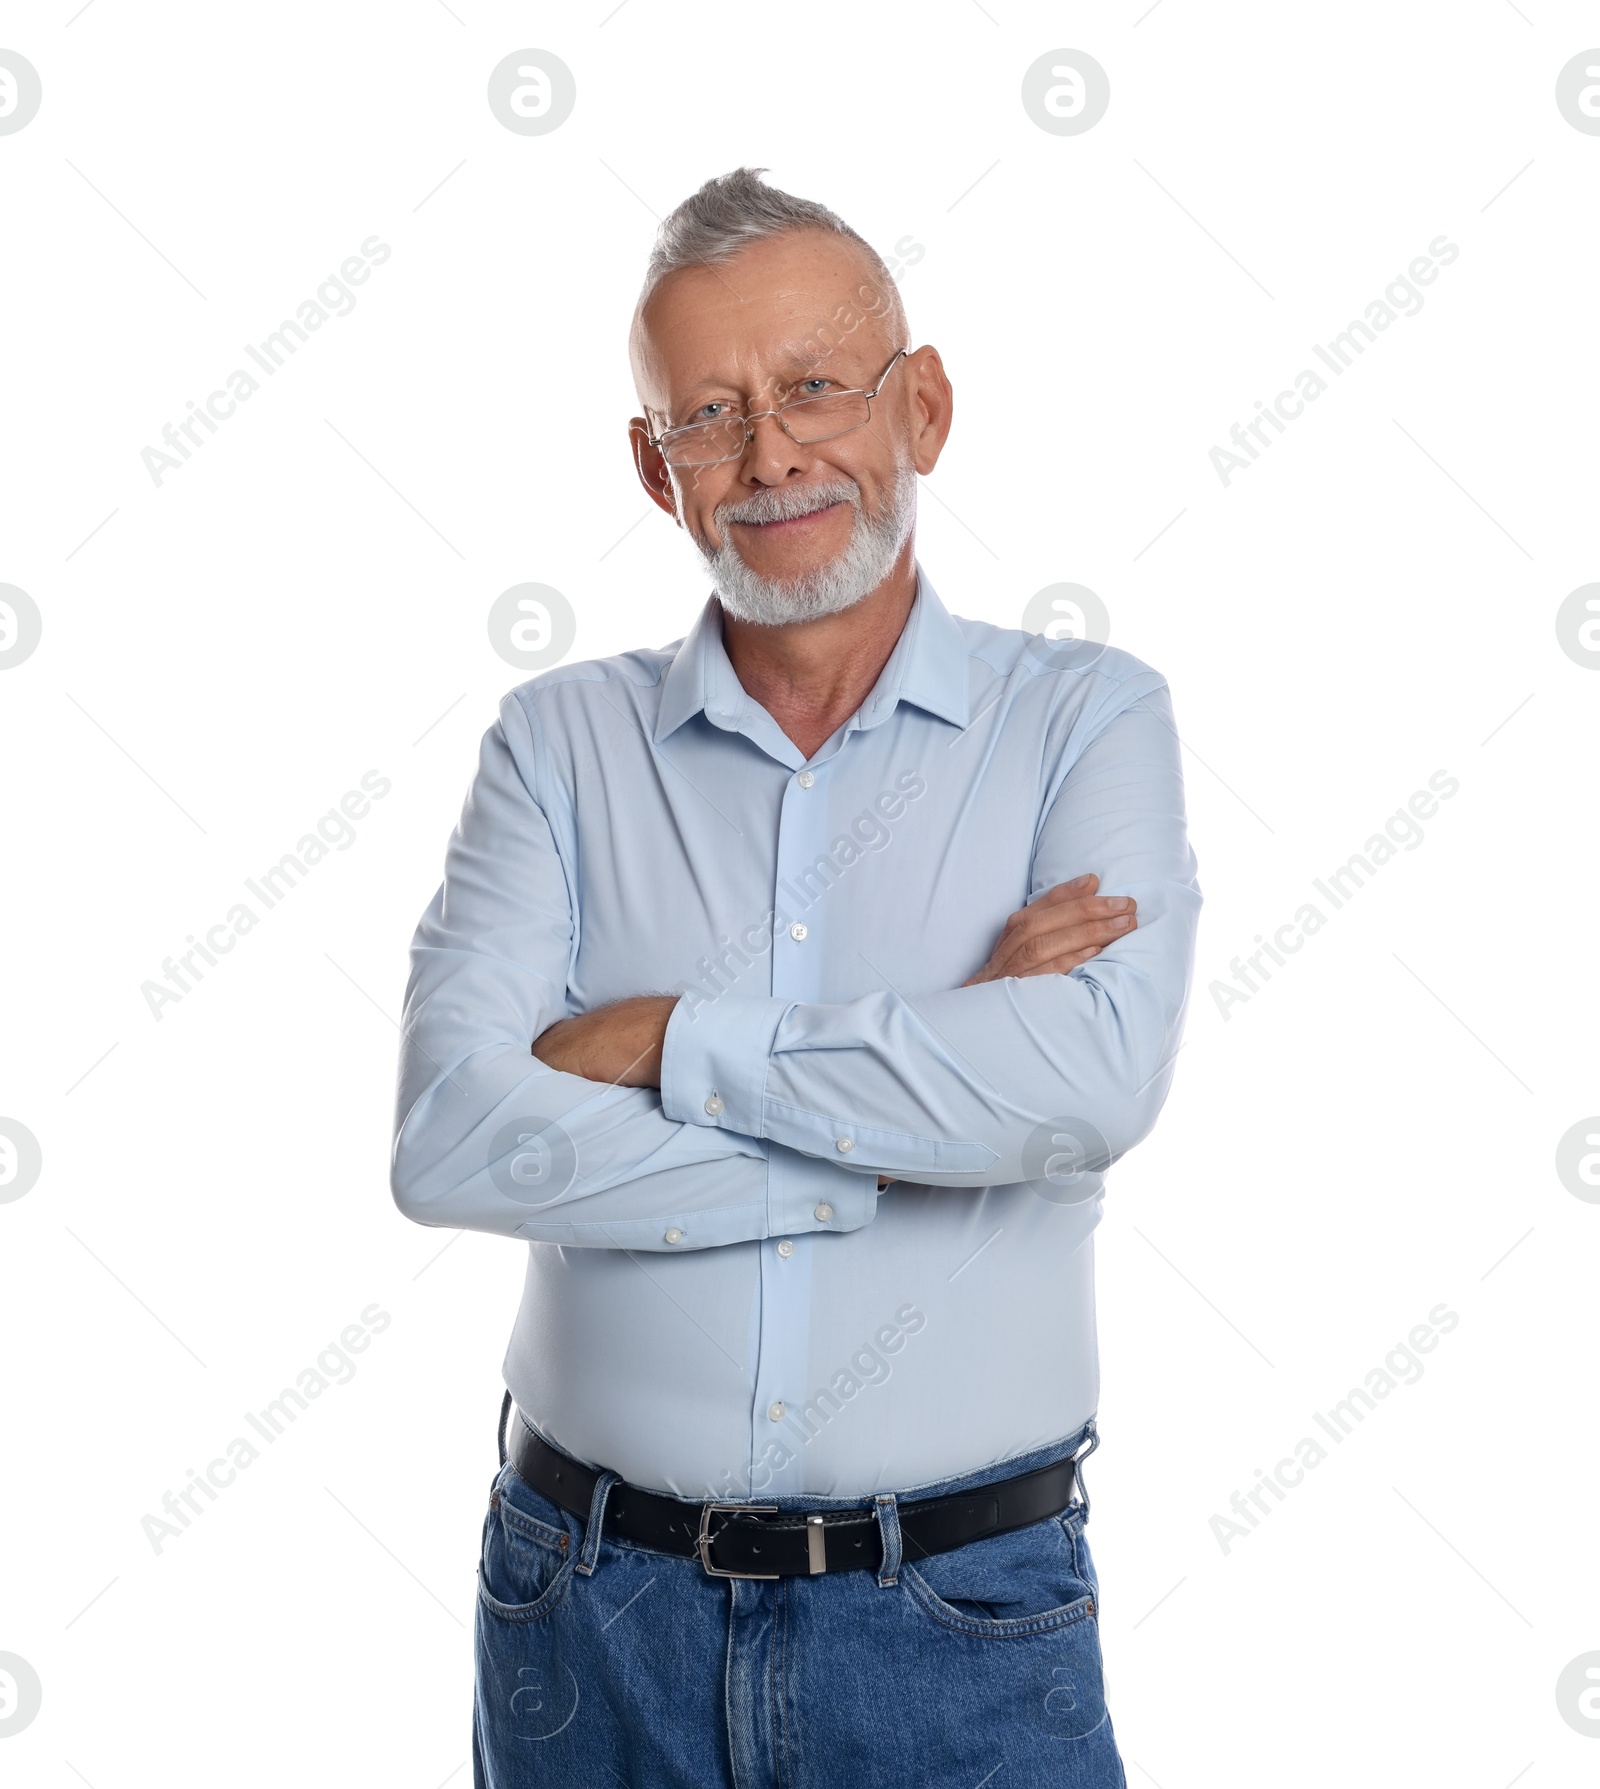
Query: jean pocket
1033	1580
528	1551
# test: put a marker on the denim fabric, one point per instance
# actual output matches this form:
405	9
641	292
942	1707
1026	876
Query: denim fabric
601	1663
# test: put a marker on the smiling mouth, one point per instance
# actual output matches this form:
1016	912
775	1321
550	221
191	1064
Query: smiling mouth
783	522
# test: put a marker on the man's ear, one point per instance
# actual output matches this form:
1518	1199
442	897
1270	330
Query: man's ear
652	469
932	408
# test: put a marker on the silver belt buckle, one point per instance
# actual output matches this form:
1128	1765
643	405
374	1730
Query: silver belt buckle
705	1537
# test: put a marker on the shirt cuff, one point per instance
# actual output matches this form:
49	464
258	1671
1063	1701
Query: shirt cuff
806	1193
714	1060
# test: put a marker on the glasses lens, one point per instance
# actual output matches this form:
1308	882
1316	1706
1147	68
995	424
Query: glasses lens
807	420
704	443
818	419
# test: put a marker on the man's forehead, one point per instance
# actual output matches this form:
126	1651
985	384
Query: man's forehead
753	369
779	307
755	357
752	361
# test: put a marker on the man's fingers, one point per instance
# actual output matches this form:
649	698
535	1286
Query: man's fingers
1031	925
1071	960
1059	962
1037	957
1048	907
1028	921
1037	952
1065	926
1065	891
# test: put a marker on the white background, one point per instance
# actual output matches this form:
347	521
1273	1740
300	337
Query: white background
223	656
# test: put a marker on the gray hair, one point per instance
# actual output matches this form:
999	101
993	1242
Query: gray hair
731	211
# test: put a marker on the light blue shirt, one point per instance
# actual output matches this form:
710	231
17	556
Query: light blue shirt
719	1301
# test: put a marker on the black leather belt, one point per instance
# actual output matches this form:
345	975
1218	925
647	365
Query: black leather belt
741	1540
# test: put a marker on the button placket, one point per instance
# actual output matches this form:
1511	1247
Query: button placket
784	1339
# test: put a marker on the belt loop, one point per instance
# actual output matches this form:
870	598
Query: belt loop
888	1514
505	1411
597	1520
1093	1435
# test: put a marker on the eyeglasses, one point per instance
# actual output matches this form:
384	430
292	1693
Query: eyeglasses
805	421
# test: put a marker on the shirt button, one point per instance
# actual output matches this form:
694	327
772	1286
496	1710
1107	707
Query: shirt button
845	1145
805	779
786	1248
823	1214
775	1411
798	931
673	1235
714	1104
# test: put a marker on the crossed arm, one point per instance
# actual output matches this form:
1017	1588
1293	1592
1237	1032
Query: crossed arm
816	1104
620	1044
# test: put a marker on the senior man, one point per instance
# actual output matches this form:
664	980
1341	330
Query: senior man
788	990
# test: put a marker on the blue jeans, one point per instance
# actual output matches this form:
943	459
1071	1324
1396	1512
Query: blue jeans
600	1662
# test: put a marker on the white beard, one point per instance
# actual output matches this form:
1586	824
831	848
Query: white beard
869	556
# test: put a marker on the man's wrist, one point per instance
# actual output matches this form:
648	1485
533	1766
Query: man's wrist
646	1030
617	1045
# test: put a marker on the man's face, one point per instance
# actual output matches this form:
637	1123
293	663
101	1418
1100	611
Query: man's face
789	531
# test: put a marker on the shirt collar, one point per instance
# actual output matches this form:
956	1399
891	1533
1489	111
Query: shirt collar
928	668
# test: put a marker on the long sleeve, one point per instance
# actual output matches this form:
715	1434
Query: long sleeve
488	1138
955	1088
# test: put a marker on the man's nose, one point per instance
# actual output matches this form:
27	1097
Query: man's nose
770	452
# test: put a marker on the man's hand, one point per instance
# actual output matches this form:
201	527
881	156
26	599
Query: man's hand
620	1043
1066	926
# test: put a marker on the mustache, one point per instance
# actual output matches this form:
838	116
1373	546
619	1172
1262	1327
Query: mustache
787	505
